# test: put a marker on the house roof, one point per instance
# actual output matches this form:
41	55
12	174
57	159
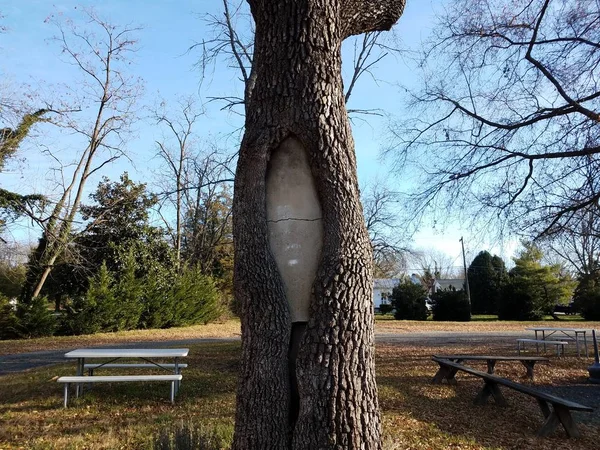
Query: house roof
456	283
385	283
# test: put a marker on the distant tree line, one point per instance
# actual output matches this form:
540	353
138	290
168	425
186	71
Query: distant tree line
528	291
119	273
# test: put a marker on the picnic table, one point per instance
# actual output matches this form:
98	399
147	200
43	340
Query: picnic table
561	333
150	356
446	373
554	409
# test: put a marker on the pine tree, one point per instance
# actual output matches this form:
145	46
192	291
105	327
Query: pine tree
128	293
487	275
534	289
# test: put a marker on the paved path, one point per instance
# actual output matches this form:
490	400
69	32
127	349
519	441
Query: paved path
21	362
26	361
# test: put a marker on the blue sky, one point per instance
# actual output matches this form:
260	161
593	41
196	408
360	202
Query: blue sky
169	28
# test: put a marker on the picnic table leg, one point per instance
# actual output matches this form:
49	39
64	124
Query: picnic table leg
78	387
440	375
543	339
537	345
576	344
529	366
490	388
544	407
176	373
585	344
173	391
491	363
549	425
444	373
565	418
551	419
66	401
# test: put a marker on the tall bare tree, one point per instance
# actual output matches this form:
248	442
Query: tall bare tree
177	150
506	122
297	101
197	187
100	51
387	238
578	245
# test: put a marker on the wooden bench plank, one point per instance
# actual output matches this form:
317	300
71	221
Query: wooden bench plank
448	375
561	408
497	358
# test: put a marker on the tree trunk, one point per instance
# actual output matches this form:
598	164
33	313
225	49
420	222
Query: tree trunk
298	94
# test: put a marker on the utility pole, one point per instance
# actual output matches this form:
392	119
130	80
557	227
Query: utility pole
462	242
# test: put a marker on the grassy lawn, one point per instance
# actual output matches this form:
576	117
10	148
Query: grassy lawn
415	414
224	329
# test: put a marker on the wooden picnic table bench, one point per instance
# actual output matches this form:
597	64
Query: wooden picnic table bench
559	413
447	373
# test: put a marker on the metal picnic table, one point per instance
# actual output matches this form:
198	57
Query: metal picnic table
568	333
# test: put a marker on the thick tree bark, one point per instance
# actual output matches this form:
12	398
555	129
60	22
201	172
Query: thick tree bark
298	93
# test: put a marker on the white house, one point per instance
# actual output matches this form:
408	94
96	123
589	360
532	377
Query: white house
382	289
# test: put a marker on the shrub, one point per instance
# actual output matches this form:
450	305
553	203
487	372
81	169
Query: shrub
451	305
409	299
35	319
193	437
128	293
384	308
157	302
97	309
8	319
195	298
517	303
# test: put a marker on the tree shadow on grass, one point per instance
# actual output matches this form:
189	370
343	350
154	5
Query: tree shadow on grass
212	372
452	414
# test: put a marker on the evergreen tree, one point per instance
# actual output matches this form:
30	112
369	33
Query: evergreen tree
587	294
8	319
118	222
35	319
451	305
158	305
534	288
408	299
195	298
128	292
487	275
97	309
